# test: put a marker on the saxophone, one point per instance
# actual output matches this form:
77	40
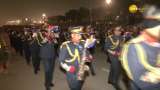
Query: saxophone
83	68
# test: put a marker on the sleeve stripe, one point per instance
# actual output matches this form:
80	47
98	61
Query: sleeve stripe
124	61
143	60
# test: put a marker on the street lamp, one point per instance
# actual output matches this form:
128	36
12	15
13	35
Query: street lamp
108	2
26	19
108	5
43	15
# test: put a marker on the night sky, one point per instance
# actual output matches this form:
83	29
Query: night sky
17	9
14	9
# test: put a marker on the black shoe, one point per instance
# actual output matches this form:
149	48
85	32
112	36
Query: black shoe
38	69
35	72
52	85
93	74
49	85
28	63
110	82
48	88
117	88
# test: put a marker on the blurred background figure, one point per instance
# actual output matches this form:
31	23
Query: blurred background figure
113	46
48	55
4	53
140	56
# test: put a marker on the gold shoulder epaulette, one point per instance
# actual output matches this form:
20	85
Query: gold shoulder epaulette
82	40
64	43
109	36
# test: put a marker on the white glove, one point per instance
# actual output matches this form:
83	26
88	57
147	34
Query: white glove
34	35
70	69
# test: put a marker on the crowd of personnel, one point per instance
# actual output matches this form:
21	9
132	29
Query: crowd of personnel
42	44
131	50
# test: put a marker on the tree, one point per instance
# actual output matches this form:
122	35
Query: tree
84	14
78	16
72	15
56	19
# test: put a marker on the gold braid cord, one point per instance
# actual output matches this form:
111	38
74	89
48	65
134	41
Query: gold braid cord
115	44
39	38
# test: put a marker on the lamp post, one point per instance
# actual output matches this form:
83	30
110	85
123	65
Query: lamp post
108	2
44	17
26	19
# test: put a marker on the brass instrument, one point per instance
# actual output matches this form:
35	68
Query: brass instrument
83	68
115	44
39	38
43	38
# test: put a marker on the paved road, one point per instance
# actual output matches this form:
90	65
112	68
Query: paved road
21	76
